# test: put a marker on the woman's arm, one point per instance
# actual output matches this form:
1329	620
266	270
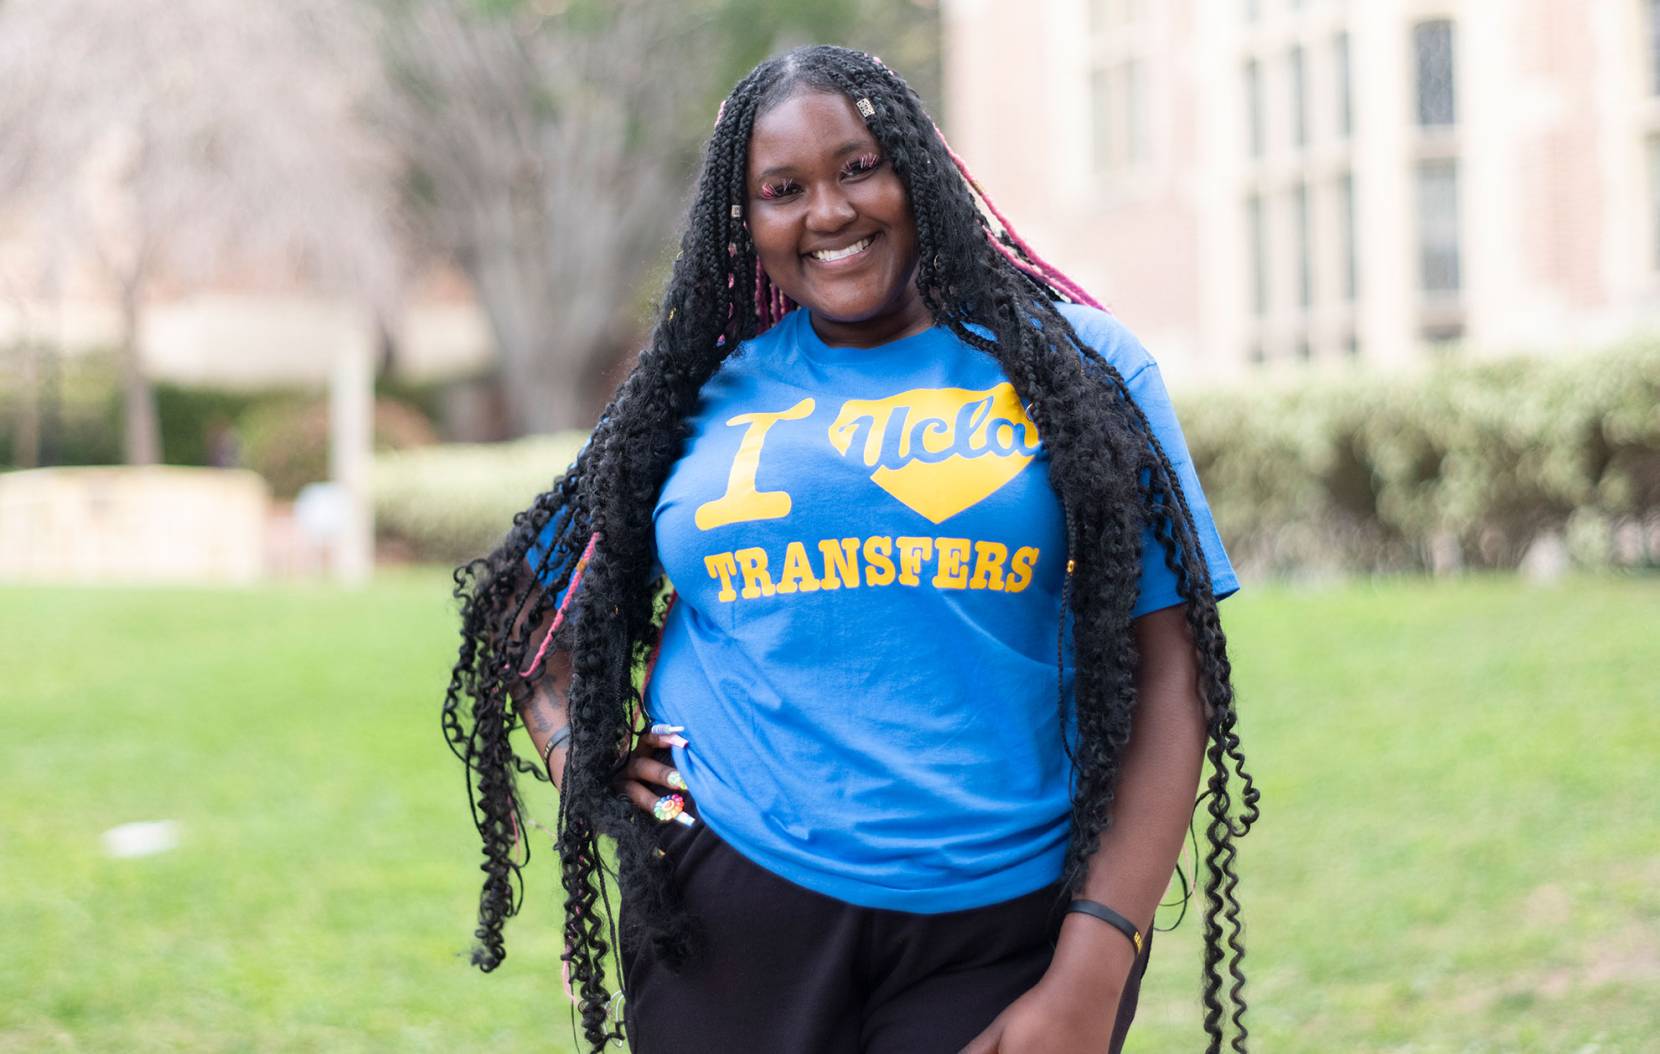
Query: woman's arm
544	705
1151	808
1075	1005
542	702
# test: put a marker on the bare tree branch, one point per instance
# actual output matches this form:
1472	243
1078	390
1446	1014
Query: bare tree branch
553	147
185	141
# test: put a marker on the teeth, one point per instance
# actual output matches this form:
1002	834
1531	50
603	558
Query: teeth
828	255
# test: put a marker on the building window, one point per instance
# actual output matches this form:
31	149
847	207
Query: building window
1120	125
1107	15
1345	93
1252	10
1304	238
1346	236
1432	46
1134	75
1654	200
1255	353
1438	247
1351	346
1442	337
1118	86
1298	76
1257	234
1654	45
1253	108
1305	351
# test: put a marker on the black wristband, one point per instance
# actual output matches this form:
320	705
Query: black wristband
559	738
1110	917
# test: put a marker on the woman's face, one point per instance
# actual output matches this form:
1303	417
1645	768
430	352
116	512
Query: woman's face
831	221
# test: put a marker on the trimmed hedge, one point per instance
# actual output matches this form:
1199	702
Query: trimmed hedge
287	441
1460	465
279	431
81	409
1463	464
454	502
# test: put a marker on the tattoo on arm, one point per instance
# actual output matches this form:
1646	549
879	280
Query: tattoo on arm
540	713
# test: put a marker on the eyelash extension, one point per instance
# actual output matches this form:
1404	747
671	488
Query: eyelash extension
856	167
862	164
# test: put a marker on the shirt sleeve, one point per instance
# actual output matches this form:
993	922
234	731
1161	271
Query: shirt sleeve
1158	581
544	541
538	549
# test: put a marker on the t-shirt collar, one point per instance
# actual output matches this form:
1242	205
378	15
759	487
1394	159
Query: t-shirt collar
813	346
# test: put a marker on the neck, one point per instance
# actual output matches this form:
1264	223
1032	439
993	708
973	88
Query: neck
911	319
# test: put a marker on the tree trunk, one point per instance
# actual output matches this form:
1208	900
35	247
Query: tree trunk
543	336
26	436
351	454
141	441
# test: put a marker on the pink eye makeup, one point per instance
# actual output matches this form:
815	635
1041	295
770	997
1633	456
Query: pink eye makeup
862	164
858	166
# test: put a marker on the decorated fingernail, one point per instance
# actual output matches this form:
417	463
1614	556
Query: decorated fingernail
676	780
676	741
663	730
668	807
686	819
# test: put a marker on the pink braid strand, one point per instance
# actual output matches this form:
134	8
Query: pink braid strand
559	616
1049	271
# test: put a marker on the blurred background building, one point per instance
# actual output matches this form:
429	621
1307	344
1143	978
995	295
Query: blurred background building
395	300
1292	184
288	238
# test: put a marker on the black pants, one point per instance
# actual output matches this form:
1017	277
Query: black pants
786	970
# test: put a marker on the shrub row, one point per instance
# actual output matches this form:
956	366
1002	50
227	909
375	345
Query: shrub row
454	502
281	433
1463	464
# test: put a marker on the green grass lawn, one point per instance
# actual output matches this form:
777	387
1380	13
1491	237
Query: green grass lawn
1459	849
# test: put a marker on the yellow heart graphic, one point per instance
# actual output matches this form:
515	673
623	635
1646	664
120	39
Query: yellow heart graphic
939	450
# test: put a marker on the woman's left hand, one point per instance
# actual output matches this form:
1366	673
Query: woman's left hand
644	780
1051	1018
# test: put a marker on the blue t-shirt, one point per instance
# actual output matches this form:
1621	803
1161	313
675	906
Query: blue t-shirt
868	559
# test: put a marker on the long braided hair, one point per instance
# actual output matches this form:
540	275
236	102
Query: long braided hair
1112	477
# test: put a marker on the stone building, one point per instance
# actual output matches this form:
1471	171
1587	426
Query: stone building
1290	185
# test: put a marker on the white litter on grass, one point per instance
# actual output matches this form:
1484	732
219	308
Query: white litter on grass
141	839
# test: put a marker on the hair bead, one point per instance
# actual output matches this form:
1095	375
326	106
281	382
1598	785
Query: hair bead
866	108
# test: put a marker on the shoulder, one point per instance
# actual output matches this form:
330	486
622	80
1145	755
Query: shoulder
1103	331
753	364
781	334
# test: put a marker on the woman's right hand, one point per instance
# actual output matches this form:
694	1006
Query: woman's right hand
645	779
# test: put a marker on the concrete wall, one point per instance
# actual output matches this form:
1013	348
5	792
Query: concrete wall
111	525
253	340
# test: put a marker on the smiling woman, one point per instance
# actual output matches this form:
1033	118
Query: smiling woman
832	223
880	467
